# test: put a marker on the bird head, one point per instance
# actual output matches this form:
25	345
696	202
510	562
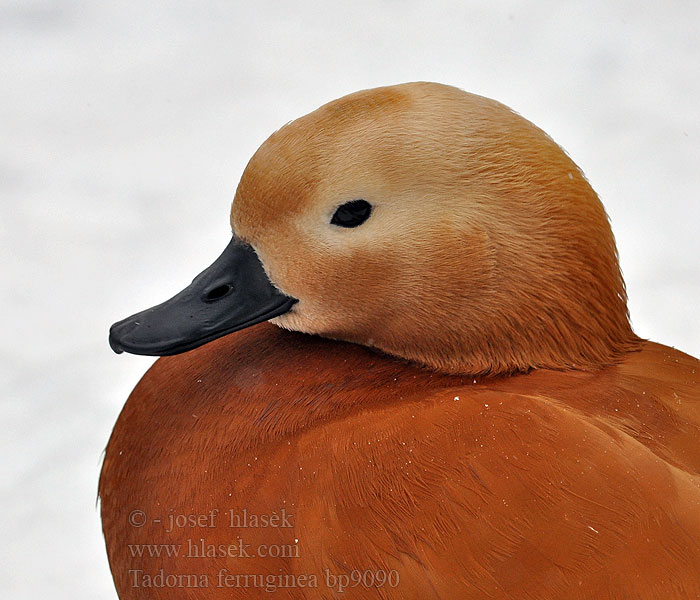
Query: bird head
420	220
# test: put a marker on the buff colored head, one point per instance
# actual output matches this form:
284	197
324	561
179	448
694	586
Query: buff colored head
480	247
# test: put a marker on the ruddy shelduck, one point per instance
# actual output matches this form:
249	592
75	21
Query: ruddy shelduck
453	403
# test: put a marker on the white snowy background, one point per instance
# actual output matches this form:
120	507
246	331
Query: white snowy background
124	128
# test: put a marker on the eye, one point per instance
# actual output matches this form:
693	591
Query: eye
352	214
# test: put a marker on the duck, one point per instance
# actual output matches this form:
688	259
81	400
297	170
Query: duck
410	374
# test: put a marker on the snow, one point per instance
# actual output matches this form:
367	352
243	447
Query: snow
126	125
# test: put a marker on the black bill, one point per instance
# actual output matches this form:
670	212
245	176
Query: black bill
232	294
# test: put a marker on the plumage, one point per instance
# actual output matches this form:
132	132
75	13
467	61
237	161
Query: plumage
458	469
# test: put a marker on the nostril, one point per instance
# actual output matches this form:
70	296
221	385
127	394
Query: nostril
218	292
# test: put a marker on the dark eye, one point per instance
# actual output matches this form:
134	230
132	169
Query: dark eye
352	214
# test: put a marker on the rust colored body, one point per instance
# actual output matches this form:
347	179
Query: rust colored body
553	484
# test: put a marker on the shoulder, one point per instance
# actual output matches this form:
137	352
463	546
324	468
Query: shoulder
547	479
